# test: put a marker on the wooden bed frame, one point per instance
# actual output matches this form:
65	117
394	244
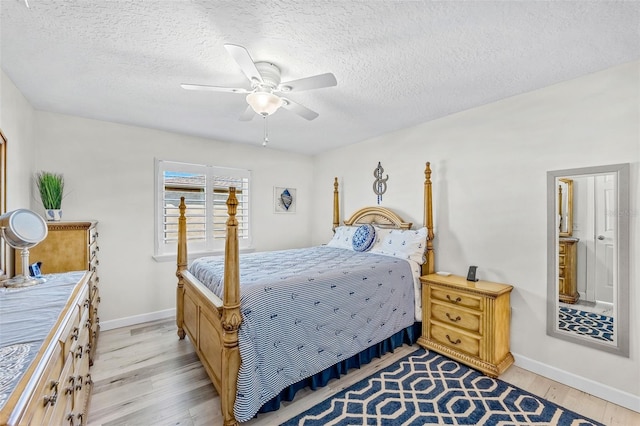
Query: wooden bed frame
212	323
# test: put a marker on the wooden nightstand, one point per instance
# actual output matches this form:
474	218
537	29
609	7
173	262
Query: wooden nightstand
467	321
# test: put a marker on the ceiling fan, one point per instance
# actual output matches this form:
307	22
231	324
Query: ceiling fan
263	97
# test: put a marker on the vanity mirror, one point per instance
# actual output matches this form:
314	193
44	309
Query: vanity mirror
588	256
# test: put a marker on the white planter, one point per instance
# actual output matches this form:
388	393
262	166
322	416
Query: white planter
53	214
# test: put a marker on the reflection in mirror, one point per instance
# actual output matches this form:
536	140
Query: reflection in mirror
565	206
588	256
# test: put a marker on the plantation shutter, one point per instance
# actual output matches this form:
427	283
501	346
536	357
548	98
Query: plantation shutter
206	190
220	194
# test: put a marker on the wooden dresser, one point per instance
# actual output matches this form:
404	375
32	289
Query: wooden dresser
567	269
55	388
467	321
71	246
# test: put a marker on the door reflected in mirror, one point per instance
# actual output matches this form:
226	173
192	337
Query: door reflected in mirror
588	269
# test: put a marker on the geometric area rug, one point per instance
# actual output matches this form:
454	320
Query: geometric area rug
591	324
425	388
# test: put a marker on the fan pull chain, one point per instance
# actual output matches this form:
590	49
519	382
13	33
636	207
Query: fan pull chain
266	132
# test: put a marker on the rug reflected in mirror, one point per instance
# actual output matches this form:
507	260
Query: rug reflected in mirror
588	324
426	388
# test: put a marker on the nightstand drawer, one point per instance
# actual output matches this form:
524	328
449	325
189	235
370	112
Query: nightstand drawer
456	317
454	297
456	340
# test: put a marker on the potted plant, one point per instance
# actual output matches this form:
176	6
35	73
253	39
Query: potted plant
51	187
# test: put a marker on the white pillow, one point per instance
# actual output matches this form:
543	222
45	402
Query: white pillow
410	244
381	234
343	237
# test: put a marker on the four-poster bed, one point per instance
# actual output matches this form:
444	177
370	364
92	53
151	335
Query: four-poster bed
212	321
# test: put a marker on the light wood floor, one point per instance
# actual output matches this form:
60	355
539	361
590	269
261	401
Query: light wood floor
145	375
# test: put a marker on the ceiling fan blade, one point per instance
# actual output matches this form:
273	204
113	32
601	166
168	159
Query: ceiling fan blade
242	57
302	111
248	114
214	88
307	83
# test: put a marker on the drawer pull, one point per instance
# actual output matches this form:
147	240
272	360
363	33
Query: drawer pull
79	383
74	335
51	400
81	418
79	352
86	303
70	419
456	300
457	341
88	380
456	319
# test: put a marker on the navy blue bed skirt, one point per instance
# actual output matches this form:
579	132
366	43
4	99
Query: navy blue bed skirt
409	336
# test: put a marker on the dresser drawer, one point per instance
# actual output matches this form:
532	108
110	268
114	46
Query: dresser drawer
456	317
455	339
455	297
47	392
59	413
71	331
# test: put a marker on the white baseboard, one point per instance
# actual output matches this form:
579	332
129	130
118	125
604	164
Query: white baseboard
616	396
137	319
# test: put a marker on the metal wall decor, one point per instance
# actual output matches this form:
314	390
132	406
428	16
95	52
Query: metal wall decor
380	184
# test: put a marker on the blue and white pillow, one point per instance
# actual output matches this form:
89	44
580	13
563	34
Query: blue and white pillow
364	238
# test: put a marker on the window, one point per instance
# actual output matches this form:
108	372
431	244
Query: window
205	189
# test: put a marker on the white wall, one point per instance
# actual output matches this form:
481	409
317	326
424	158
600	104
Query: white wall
109	177
489	175
16	123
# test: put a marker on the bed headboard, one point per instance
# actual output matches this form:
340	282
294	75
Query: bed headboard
385	218
379	216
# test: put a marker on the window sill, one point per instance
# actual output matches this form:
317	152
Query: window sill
192	256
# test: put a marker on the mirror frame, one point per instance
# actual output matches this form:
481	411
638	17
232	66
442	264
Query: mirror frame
621	172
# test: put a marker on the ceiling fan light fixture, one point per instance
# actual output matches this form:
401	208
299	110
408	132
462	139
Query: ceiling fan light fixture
264	103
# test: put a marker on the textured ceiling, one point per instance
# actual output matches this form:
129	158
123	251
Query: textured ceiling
398	63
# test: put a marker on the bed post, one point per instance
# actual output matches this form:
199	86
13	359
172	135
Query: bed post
182	265
230	313
336	205
428	219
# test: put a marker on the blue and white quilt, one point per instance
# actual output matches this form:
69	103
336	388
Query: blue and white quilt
304	310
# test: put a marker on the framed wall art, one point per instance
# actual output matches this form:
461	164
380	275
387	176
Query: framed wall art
284	199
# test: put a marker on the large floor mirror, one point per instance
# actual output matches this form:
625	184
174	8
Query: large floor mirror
588	256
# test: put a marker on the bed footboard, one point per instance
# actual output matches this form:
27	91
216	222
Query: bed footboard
210	322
